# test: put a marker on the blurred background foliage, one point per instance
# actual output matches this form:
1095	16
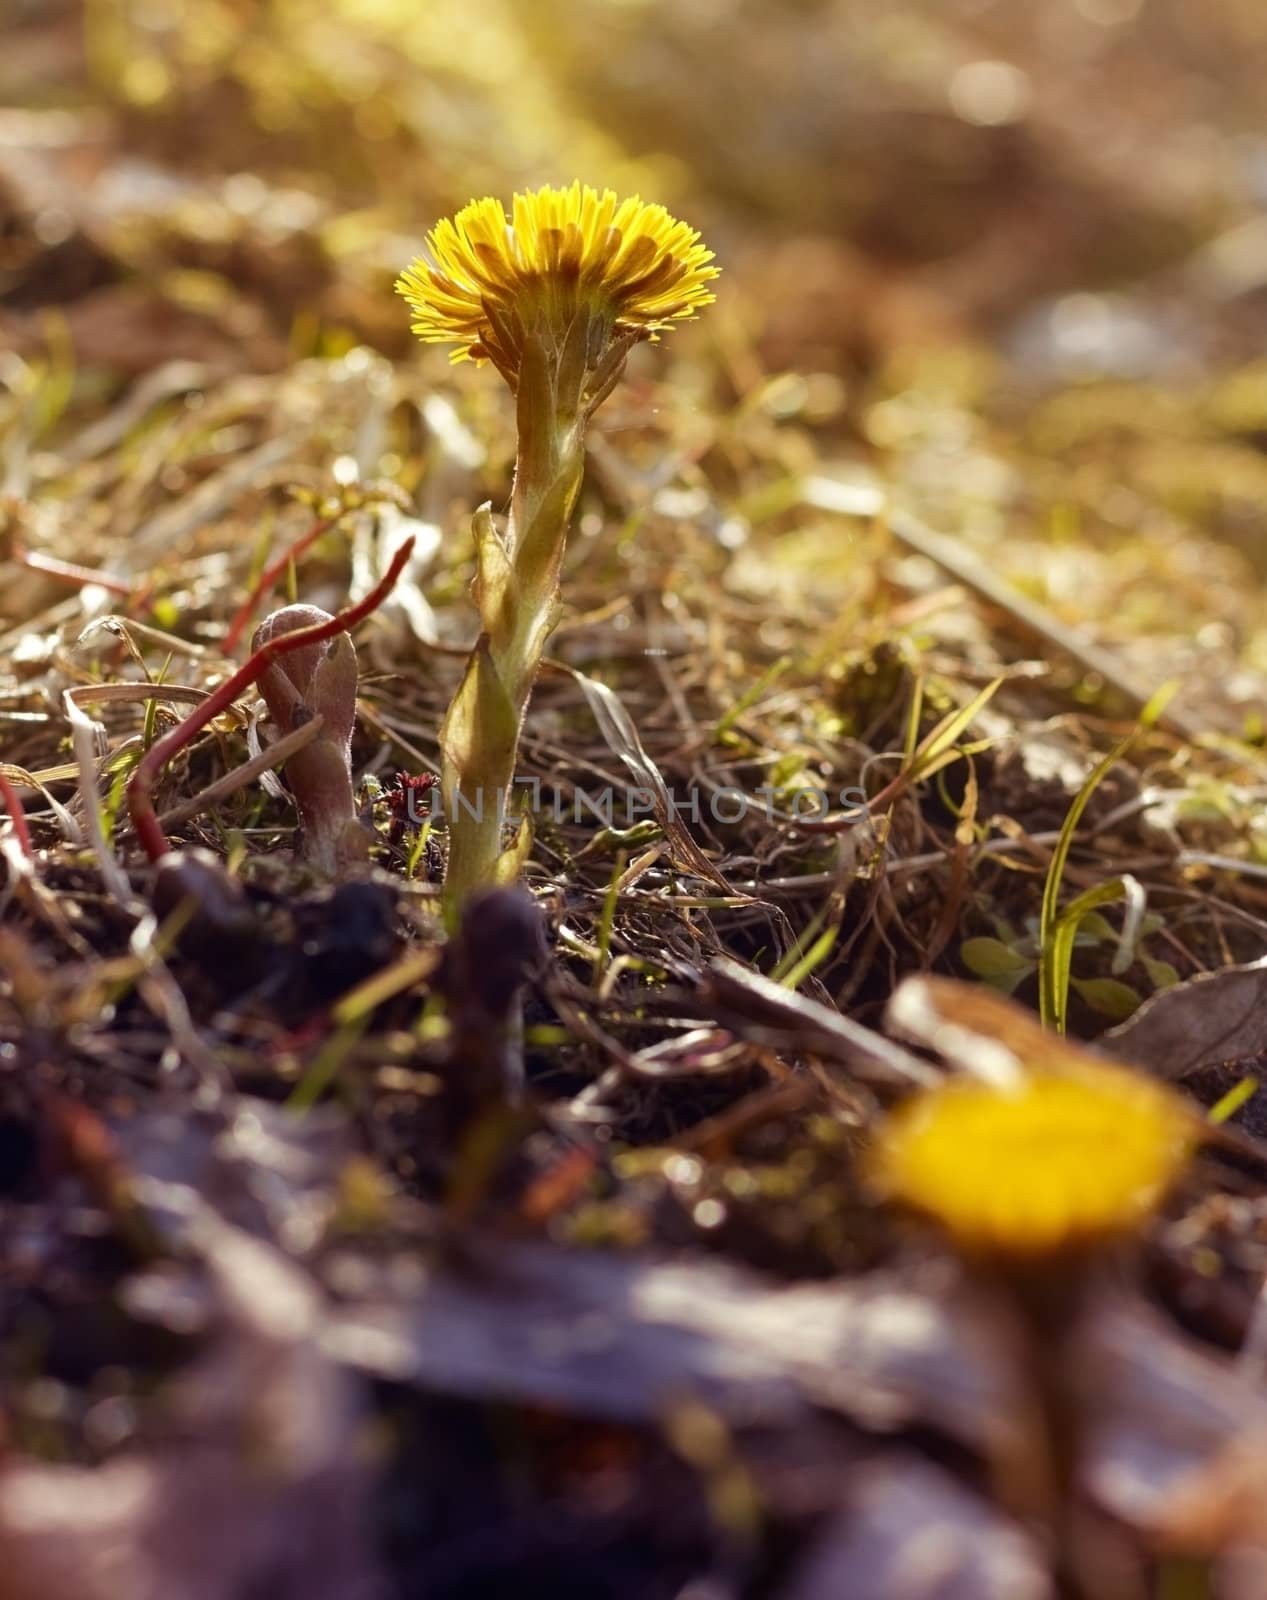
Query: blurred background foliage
1017	253
874	173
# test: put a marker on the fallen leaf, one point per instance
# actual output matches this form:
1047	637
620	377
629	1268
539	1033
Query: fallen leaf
1210	1020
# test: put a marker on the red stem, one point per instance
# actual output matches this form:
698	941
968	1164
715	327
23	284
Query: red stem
141	784
67	571
17	816
269	577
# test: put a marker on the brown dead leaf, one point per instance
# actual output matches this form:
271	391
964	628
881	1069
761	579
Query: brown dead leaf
1213	1019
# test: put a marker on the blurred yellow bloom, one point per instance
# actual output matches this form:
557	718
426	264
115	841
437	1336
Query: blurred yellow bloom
492	280
1060	1160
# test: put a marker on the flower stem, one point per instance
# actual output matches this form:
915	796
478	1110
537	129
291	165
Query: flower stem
1047	1310
517	587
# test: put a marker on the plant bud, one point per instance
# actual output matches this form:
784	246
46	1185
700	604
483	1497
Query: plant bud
317	680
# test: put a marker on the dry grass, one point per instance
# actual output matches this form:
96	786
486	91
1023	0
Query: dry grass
758	609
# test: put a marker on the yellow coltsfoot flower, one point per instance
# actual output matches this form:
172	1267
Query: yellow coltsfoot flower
1066	1157
554	296
1035	1160
567	263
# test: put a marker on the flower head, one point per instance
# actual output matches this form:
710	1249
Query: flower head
1064	1158
623	266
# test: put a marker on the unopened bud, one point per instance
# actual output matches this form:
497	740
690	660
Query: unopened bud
317	680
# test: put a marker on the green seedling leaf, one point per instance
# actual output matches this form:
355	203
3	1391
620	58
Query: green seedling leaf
418	849
939	747
56	382
326	1066
813	958
992	959
1160	973
1056	957
1053	985
1054	963
113	803
638	833
752	694
608	917
791	969
546	1036
1225	1108
165	611
1108	997
357	1006
910	738
150	723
